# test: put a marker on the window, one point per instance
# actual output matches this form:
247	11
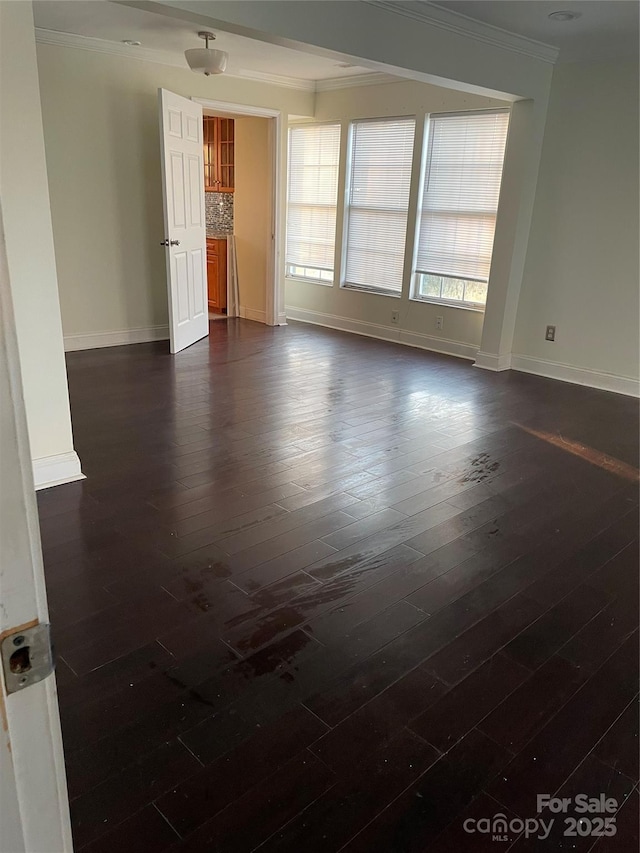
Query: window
314	152
377	203
457	218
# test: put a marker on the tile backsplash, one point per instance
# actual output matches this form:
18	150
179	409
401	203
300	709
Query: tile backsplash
219	212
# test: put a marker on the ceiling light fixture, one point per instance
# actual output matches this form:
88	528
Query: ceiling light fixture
564	15
204	60
131	42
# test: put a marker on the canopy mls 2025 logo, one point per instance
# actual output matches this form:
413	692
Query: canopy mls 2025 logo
580	815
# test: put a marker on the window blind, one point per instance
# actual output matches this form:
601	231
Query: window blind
377	203
314	154
460	194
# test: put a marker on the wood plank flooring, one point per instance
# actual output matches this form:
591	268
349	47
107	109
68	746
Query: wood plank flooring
324	593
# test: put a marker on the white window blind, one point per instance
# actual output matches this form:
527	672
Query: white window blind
377	203
314	154
460	195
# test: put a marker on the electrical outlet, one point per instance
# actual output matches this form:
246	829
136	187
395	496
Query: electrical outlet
395	316
550	334
440	323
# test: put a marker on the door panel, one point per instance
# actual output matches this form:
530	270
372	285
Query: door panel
175	123
177	190
199	285
183	188
194	170
181	278
192	130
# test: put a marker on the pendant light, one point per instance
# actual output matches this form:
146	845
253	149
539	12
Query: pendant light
204	60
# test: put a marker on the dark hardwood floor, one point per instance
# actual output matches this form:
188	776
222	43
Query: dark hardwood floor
325	593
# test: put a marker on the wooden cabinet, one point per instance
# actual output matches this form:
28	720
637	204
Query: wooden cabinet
219	154
217	274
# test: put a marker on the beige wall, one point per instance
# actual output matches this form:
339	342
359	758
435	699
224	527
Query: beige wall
440	56
112	277
101	133
253	202
30	251
581	272
385	38
370	313
404	97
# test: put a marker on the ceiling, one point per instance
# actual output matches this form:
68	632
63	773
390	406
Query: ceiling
606	29
171	37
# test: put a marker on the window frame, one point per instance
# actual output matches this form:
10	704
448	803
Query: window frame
415	296
289	277
309	279
348	183
427	148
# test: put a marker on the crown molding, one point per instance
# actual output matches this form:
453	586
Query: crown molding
274	79
96	45
374	78
145	54
454	22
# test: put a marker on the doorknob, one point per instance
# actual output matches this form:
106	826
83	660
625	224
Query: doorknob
170	243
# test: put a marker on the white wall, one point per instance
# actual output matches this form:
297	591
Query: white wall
30	250
102	143
253	203
370	313
581	272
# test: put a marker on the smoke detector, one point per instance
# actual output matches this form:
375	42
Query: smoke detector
564	15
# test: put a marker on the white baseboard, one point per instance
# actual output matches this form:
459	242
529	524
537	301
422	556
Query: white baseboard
576	375
496	363
94	340
56	470
384	333
252	314
282	319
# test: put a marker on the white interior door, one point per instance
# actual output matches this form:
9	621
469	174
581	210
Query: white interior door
184	218
34	809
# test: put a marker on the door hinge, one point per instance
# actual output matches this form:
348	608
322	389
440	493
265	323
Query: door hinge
27	657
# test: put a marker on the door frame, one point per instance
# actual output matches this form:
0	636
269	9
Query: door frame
274	302
34	805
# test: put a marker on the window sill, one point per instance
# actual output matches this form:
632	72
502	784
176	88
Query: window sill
443	303
309	280
358	289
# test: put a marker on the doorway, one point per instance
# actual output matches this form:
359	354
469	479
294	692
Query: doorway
218	134
243	201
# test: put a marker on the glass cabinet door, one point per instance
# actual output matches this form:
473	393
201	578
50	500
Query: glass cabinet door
210	139
219	154
226	145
